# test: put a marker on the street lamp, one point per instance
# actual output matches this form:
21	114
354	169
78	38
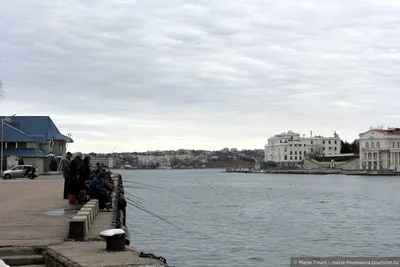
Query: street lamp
7	120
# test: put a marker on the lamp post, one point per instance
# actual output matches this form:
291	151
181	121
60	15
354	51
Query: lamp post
8	120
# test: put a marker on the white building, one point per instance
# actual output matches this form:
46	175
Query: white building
109	162
290	148
380	149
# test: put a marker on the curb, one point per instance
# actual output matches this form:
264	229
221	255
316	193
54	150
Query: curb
79	224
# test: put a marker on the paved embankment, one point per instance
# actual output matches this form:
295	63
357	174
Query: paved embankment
24	203
36	219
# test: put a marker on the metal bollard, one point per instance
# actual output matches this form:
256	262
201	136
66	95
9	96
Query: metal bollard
115	239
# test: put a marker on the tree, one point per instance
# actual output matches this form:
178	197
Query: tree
347	148
355	147
317	153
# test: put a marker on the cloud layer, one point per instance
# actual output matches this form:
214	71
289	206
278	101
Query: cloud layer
144	75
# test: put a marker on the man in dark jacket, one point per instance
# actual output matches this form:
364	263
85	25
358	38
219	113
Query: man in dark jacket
98	191
98	168
74	184
66	162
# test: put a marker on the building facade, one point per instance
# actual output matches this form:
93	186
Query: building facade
380	149
33	139
290	148
109	162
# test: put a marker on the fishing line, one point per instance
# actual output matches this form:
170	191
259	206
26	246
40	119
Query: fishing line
143	184
139	199
155	215
135	187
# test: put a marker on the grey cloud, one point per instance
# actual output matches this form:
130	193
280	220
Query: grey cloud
244	68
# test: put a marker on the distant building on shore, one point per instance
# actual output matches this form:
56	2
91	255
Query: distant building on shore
380	149
108	162
289	149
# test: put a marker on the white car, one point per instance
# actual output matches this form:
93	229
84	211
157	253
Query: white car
19	171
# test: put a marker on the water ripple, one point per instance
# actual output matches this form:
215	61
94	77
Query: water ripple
262	220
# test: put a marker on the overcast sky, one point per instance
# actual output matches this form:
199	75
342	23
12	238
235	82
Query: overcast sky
169	74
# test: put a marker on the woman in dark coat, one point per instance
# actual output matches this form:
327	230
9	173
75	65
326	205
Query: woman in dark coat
85	174
74	184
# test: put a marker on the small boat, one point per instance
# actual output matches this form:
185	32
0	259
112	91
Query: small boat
128	167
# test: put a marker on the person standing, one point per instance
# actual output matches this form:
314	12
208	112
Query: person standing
74	184
66	162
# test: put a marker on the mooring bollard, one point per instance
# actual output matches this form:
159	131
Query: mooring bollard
3	264
115	239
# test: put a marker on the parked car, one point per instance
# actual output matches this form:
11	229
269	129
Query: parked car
19	171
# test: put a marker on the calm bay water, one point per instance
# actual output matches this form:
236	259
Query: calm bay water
262	220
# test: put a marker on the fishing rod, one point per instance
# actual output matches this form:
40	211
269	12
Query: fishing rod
155	215
139	199
135	187
138	206
143	184
132	202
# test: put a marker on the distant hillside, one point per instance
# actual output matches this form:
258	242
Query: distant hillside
229	164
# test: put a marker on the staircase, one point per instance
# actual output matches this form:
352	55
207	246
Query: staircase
22	256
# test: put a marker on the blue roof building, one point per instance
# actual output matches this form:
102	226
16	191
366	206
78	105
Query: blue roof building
34	139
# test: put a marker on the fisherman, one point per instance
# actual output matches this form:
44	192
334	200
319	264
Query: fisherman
66	162
98	168
74	184
98	191
108	182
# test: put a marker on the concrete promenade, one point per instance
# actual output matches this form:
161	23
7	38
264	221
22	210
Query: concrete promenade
22	204
35	216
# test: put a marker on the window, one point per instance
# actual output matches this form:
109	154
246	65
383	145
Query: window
11	145
17	168
378	145
398	144
291	157
295	144
291	145
21	145
305	152
295	152
335	142
300	158
295	158
312	149
285	157
312	142
393	144
323	142
372	145
291	152
329	142
299	144
323	148
299	152
367	145
335	148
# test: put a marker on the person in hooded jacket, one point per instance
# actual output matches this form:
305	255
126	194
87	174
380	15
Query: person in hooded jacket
98	191
74	184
